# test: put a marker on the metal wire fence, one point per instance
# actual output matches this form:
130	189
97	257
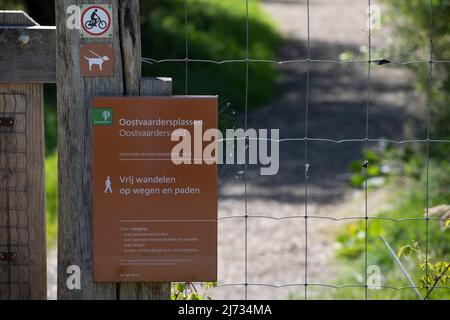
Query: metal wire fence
307	139
14	223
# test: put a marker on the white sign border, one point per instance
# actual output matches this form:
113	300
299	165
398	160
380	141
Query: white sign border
106	35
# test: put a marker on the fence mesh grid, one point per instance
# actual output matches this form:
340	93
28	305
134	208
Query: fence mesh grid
307	139
14	222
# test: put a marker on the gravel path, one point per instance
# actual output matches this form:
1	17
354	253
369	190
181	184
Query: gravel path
338	95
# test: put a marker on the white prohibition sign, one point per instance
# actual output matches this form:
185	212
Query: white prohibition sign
95	21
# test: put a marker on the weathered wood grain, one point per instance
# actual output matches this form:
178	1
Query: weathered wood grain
75	94
35	147
34	62
156	87
17	18
130	42
148	290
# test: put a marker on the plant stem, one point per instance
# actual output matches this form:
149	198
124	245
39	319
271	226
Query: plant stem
436	281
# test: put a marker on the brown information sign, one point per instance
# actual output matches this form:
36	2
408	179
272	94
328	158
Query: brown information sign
153	220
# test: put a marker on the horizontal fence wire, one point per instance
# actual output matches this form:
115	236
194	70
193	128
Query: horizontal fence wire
296	61
312	284
366	217
331	218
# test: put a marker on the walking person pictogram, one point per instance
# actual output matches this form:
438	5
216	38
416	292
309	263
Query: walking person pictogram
108	185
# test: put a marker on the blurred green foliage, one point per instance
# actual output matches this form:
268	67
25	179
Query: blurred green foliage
408	165
407	184
411	20
189	291
408	201
375	174
51	192
216	30
435	273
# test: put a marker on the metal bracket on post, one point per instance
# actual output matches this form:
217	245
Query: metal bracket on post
6	122
8	257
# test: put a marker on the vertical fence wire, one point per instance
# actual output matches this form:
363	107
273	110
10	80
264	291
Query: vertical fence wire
308	71
366	152
186	63
429	106
247	84
186	27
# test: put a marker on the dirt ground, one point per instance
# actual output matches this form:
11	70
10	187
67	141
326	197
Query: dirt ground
338	96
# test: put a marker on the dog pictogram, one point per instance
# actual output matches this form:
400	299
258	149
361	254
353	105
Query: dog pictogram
97	61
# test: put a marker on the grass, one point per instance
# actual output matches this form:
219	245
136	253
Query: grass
408	201
216	31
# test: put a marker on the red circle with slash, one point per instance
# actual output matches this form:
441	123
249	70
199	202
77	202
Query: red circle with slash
108	22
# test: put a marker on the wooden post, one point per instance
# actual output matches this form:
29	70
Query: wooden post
75	94
23	262
149	291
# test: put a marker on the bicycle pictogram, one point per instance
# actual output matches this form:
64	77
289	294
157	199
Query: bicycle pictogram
96	21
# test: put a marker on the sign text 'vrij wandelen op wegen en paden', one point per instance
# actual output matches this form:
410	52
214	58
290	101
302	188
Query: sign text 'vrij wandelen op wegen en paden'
153	220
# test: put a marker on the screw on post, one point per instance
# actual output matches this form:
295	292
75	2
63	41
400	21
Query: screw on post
24	40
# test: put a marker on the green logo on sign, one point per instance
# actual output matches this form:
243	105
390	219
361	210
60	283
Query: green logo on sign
102	116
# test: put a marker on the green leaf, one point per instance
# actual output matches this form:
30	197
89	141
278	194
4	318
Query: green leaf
181	287
414	244
422	283
406	250
440	266
194	296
